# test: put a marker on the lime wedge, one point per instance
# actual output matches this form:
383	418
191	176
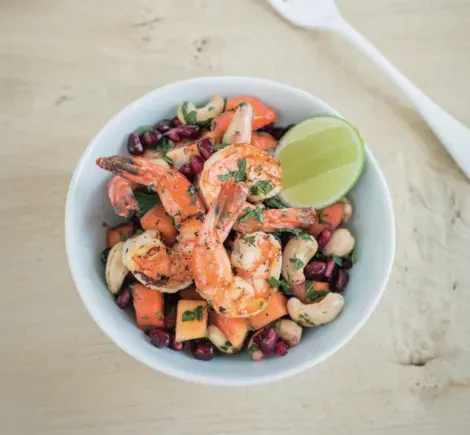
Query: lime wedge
321	160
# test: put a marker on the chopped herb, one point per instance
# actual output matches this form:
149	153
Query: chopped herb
295	231
263	186
189	117
144	317
168	159
146	201
241	174
164	145
226	346
172	219
298	263
261	304
143	129
255	213
138	232
274	202
306	237
250	328
321	214
159	315
253	348
204	124
338	260
311	295
221	146
124	237
286	288
273	282
192	190
196	314
226	177
210	108
250	240
351	256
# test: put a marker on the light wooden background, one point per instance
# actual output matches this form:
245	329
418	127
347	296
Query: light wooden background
67	66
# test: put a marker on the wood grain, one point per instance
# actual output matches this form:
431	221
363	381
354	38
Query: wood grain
67	66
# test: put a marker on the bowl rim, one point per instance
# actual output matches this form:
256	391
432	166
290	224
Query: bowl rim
155	364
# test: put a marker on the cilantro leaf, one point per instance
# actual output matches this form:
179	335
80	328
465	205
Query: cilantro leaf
298	264
274	202
189	117
250	240
196	314
338	260
312	295
255	213
226	177
241	174
273	282
191	190
146	201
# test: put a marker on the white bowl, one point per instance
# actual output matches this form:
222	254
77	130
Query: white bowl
88	207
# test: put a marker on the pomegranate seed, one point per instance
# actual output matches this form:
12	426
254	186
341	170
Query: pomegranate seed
175	122
189	131
204	350
281	348
340	281
314	270
159	338
323	238
205	146
347	263
163	126
170	317
197	163
124	298
134	145
150	138
330	267
175	345
285	237
173	135
266	340
187	171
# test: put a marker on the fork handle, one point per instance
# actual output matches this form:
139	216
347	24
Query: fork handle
453	134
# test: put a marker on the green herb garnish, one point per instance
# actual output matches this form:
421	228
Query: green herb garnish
189	117
241	174
226	177
196	314
274	202
146	201
311	295
226	346
255	213
124	237
192	190
338	260
253	348
298	264
263	186
250	240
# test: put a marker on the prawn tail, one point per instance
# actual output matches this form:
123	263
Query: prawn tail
224	211
139	170
121	196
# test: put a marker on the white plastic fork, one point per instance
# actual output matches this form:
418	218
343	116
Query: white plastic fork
324	14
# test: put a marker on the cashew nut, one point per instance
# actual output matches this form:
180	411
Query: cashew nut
219	340
289	331
239	129
341	243
214	107
318	313
297	253
116	271
347	209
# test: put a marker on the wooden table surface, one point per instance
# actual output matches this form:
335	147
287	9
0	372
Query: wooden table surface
67	66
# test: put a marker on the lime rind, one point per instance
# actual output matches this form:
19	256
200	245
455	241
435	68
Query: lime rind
298	186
